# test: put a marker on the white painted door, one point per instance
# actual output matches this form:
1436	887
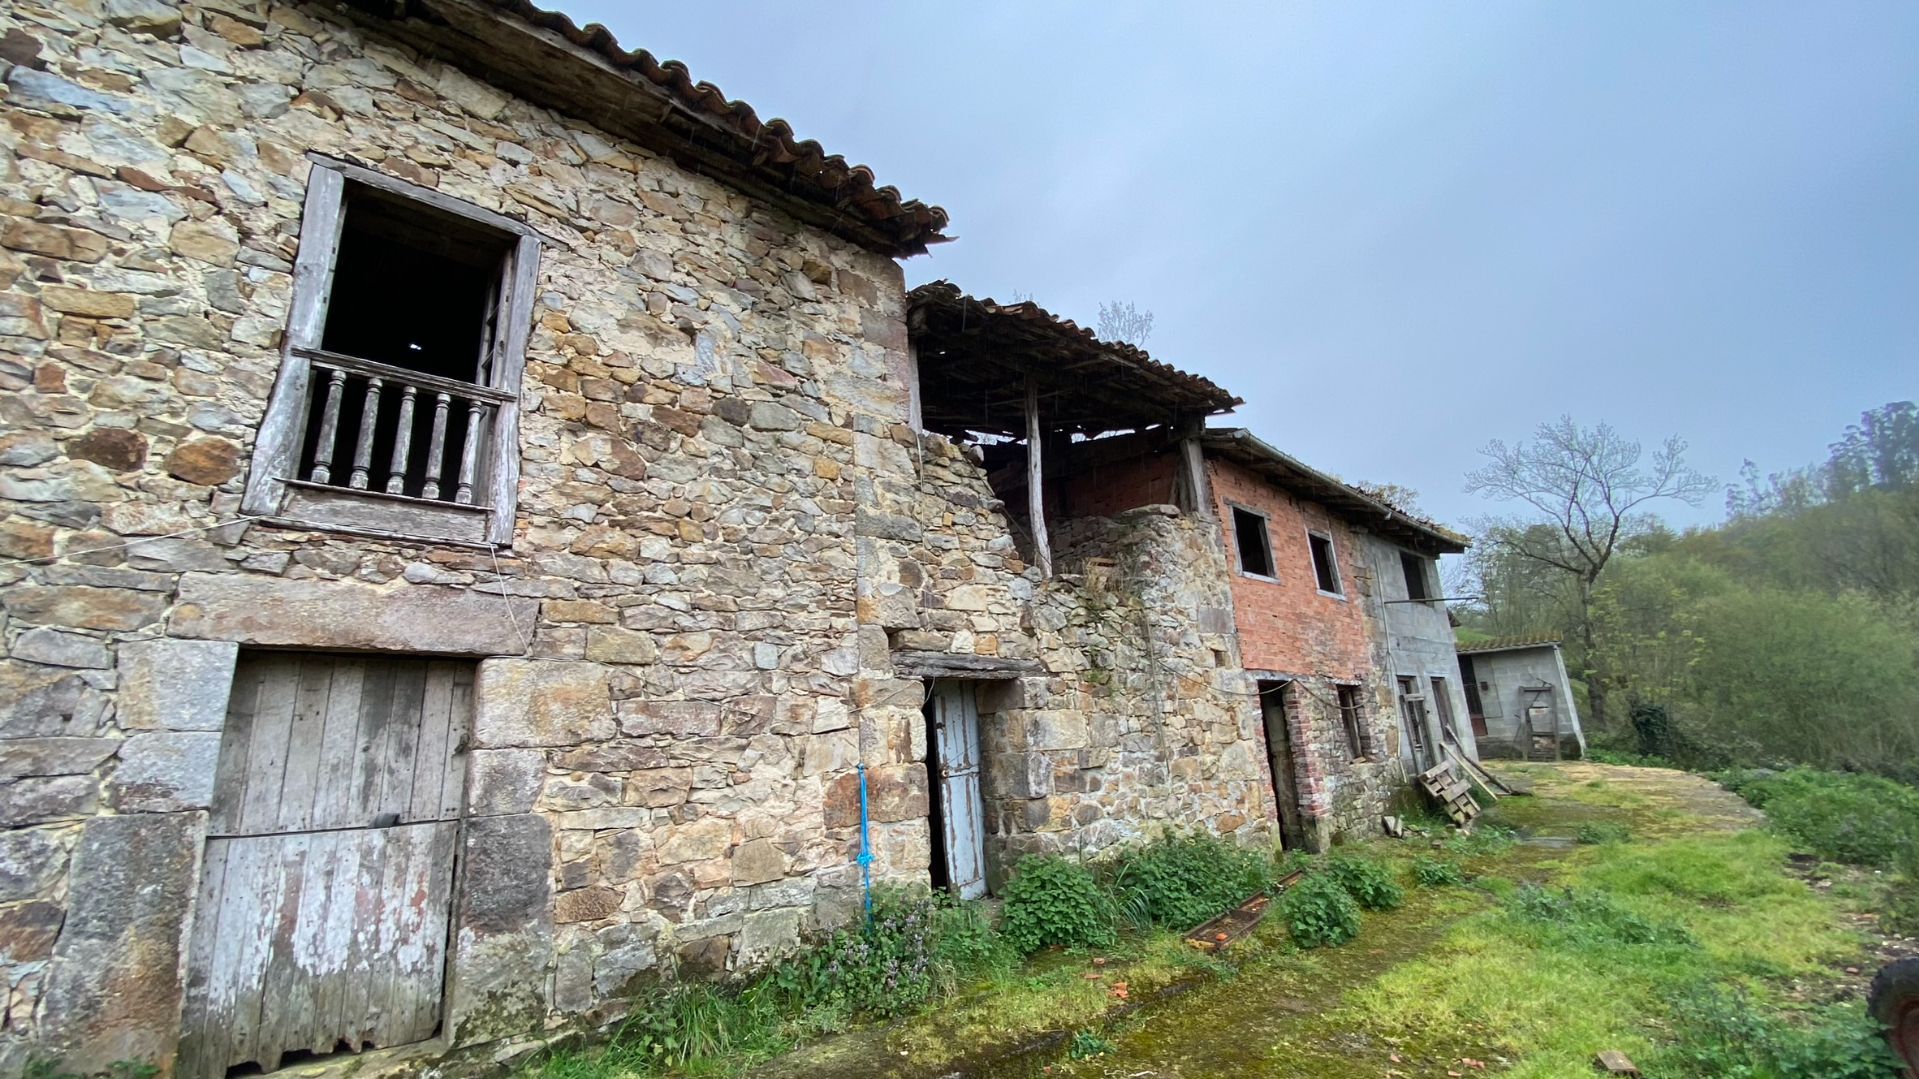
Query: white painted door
956	734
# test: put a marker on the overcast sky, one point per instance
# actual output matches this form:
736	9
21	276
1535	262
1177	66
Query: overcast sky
1401	229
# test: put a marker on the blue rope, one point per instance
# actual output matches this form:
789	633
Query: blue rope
866	847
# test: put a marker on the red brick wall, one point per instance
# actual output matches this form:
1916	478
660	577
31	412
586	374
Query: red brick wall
1103	490
1287	625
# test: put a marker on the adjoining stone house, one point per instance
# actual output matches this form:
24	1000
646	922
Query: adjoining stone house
1521	699
474	514
1336	611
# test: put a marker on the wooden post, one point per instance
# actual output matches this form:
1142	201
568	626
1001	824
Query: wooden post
1191	491
1035	491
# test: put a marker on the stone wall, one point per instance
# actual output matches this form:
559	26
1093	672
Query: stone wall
666	703
1139	714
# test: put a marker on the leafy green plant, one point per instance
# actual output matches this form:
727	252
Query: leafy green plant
1593	833
1055	901
1086	1045
1724	1035
1437	873
1180	881
1842	817
1320	912
1367	881
1591	916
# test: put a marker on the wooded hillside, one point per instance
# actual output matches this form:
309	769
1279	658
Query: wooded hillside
1788	633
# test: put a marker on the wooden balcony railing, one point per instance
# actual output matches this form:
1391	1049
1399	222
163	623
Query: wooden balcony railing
383	429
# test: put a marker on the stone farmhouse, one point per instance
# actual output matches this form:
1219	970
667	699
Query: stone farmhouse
486	528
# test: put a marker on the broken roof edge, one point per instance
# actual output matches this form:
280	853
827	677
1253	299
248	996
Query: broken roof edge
1069	333
557	64
1507	644
1359	504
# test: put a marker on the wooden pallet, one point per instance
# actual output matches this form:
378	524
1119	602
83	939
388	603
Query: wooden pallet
1454	794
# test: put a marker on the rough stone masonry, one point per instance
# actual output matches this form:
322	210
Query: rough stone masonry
725	530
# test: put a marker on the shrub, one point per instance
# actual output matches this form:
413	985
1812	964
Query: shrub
913	946
1367	881
1180	881
1842	817
1595	833
1722	1035
1055	901
1320	912
1437	873
696	1022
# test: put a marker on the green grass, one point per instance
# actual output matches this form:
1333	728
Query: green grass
1648	924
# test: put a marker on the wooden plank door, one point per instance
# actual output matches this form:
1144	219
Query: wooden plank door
326	893
957	752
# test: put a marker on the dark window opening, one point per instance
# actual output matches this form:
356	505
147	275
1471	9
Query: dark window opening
1353	719
1254	544
1324	567
414	287
1415	570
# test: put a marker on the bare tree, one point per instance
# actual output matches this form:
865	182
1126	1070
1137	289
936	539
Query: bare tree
1122	321
1591	486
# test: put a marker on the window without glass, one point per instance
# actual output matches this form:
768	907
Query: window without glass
1325	568
397	405
1353	720
1254	544
1415	569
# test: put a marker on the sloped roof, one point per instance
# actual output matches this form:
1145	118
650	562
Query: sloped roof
975	355
540	55
1242	446
1508	644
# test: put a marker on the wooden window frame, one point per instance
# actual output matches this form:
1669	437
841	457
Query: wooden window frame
273	491
1233	509
1359	740
1332	555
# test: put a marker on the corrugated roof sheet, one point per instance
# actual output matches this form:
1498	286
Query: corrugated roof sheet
779	165
1508	644
1240	444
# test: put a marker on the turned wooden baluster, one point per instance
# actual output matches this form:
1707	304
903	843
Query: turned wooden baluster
329	429
363	449
469	454
402	443
436	449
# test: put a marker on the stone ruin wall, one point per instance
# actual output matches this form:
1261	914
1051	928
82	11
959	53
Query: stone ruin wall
1142	716
724	528
666	656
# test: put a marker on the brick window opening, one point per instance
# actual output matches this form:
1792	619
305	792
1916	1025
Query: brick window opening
1253	542
1325	566
1414	567
397	406
1352	718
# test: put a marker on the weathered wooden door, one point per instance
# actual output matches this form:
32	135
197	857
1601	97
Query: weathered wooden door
1279	758
325	898
1412	709
957	756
